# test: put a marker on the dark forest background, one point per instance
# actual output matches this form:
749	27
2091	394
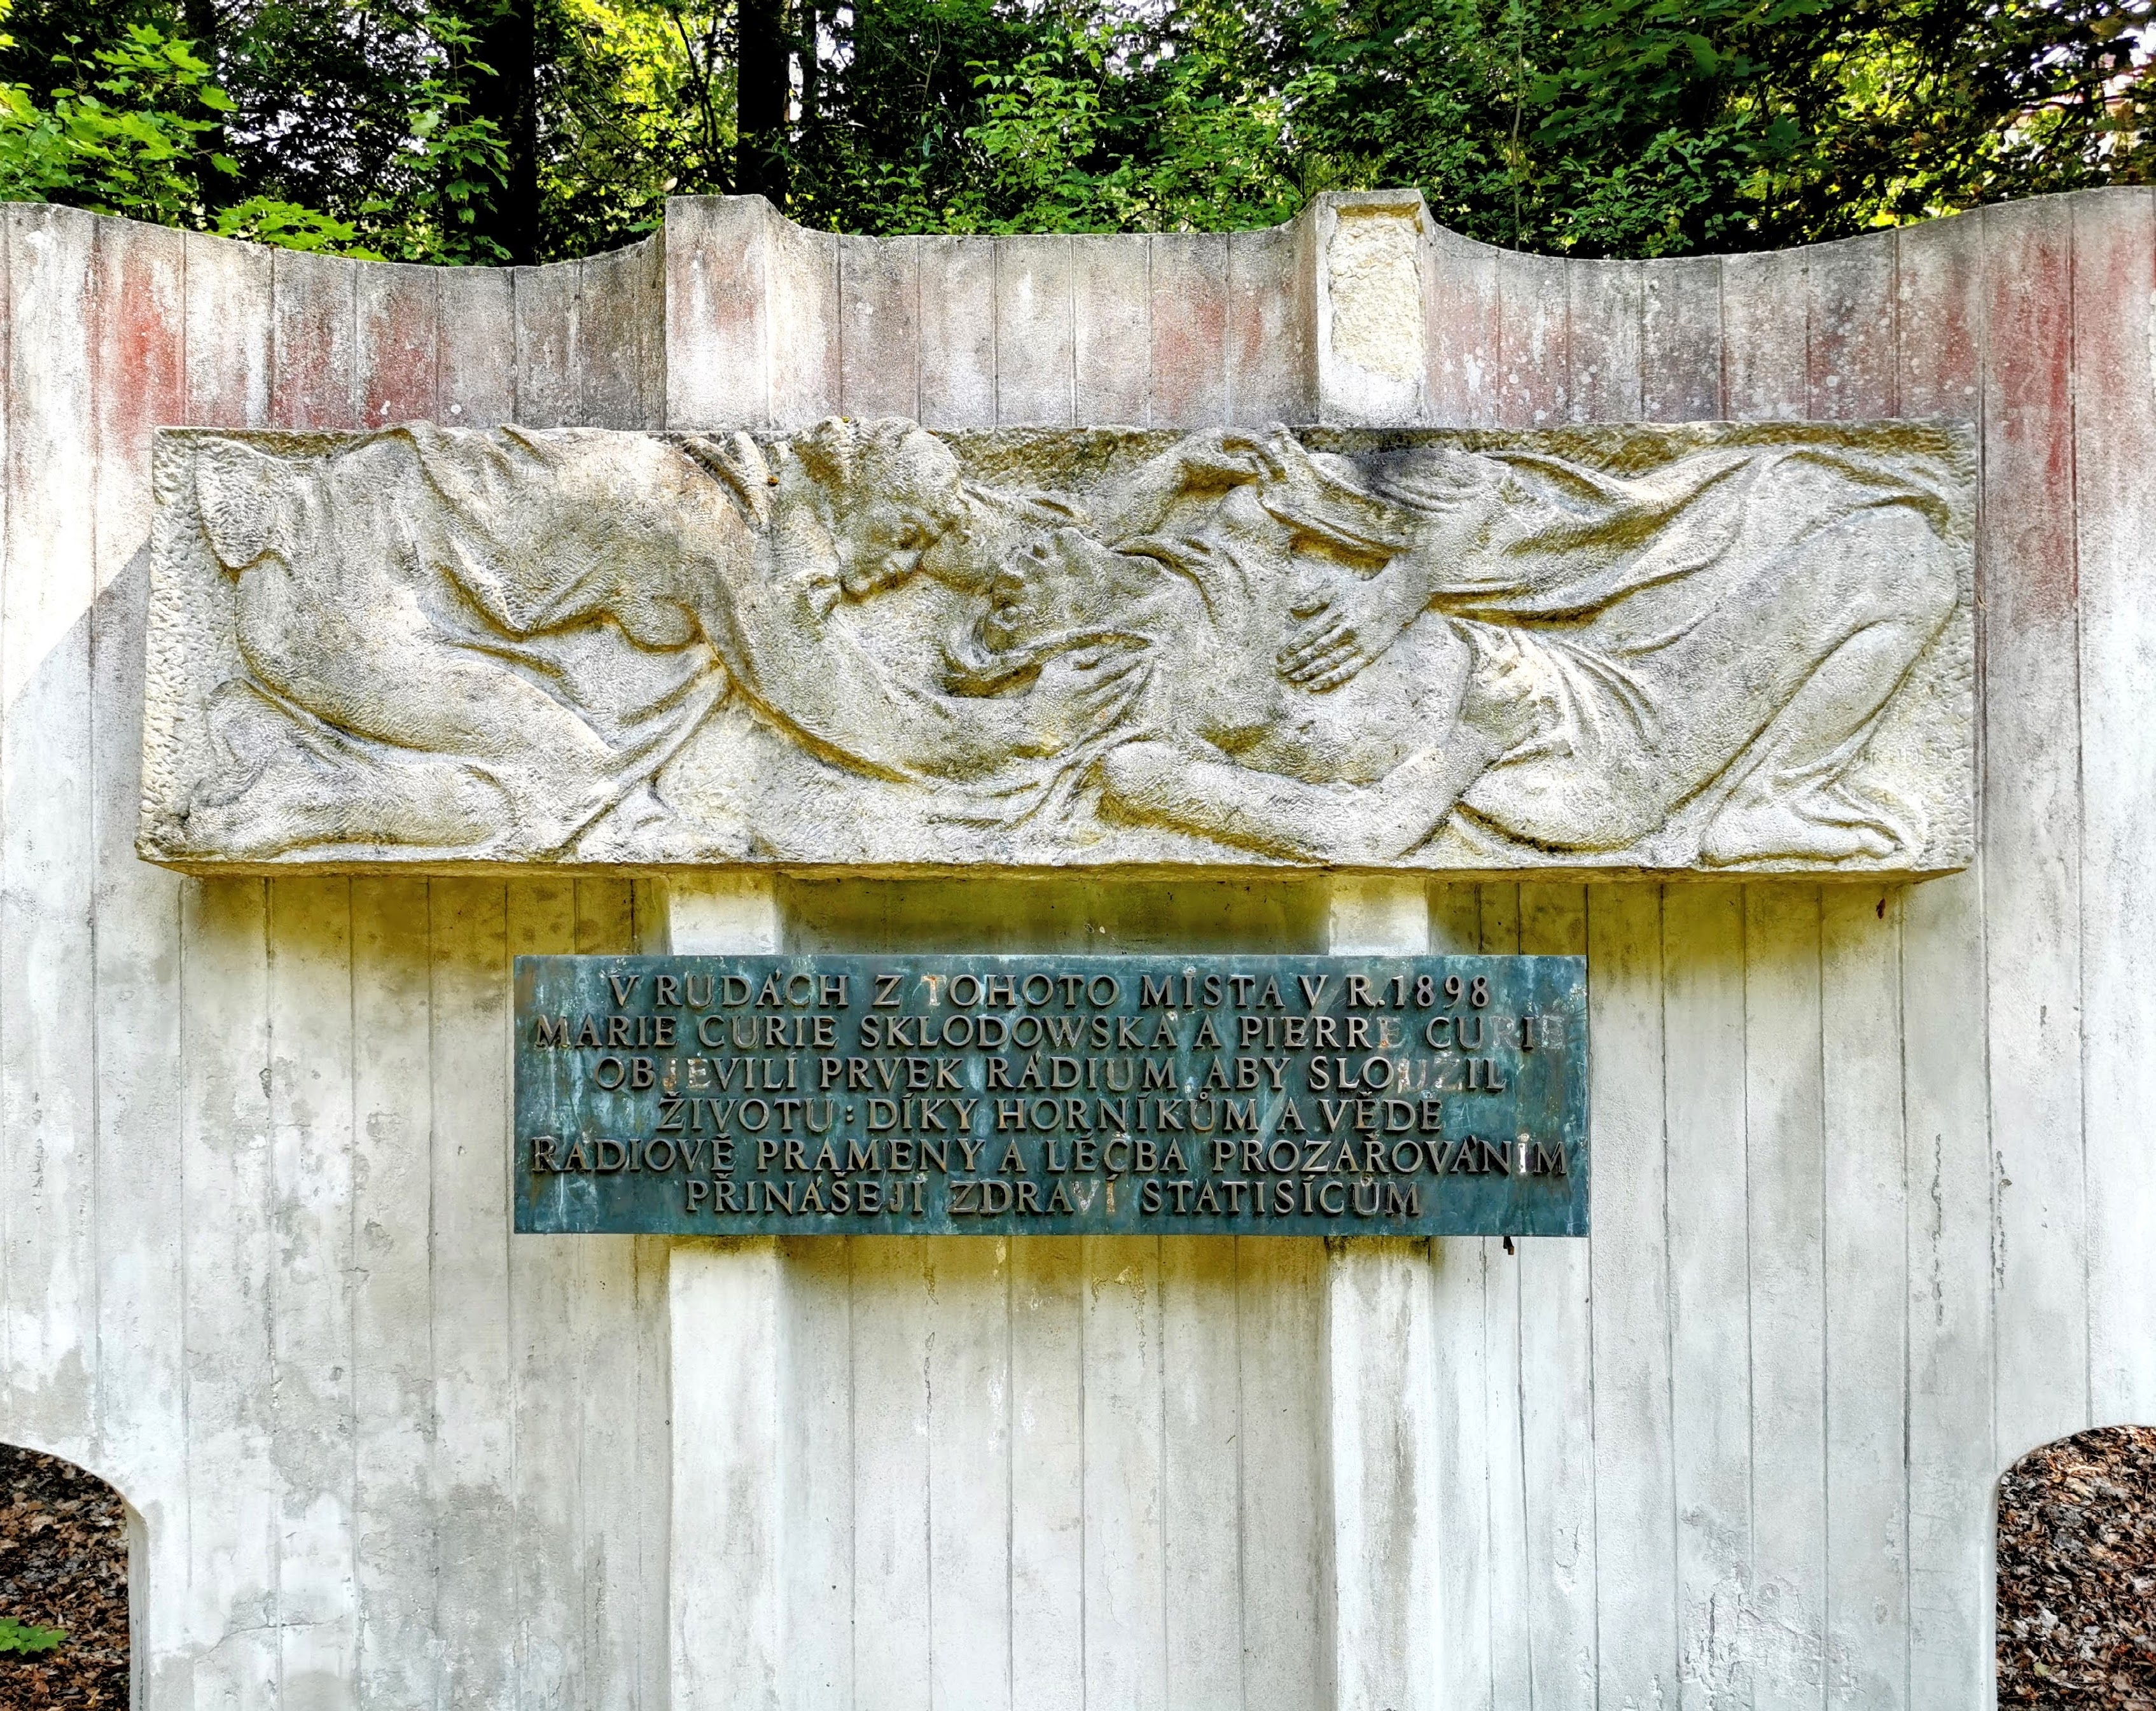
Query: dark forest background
490	131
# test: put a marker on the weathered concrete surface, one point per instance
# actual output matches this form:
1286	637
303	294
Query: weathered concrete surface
1729	649
1874	1213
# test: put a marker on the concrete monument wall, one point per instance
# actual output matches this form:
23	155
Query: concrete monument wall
1875	1210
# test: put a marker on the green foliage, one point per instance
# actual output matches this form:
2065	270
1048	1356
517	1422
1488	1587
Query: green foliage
432	206
264	220
1648	127
640	107
1101	129
28	1636
490	130
122	137
886	148
141	130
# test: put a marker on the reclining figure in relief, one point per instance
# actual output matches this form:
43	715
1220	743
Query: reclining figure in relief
1341	653
588	645
493	642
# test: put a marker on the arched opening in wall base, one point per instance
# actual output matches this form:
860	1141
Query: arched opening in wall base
64	1546
2076	1541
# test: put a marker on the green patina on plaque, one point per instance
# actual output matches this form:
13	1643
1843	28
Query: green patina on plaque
1052	1095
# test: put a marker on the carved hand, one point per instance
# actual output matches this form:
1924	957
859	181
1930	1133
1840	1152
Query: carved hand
1203	462
1346	627
1082	691
1509	702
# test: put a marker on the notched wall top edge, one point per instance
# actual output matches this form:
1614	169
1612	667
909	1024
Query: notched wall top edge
1404	200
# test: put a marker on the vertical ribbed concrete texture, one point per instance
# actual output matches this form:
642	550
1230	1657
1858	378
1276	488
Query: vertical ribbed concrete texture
1875	1206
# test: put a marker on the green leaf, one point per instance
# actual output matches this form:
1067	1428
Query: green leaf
28	1636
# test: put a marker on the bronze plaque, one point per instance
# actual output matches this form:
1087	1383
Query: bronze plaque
1052	1095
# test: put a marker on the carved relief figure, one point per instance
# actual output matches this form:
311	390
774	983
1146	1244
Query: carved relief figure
494	641
583	646
1341	653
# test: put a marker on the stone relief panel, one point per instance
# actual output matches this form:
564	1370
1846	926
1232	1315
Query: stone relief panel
1710	648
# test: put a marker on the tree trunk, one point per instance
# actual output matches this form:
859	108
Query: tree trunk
764	82
200	24
507	41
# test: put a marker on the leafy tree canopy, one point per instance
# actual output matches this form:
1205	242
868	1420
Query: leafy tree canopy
524	129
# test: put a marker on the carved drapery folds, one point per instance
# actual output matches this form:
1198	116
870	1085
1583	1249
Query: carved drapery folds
1717	648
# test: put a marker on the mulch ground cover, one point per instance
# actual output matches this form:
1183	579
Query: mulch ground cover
2077	1573
63	1564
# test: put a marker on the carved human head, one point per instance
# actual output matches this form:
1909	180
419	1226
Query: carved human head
887	490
